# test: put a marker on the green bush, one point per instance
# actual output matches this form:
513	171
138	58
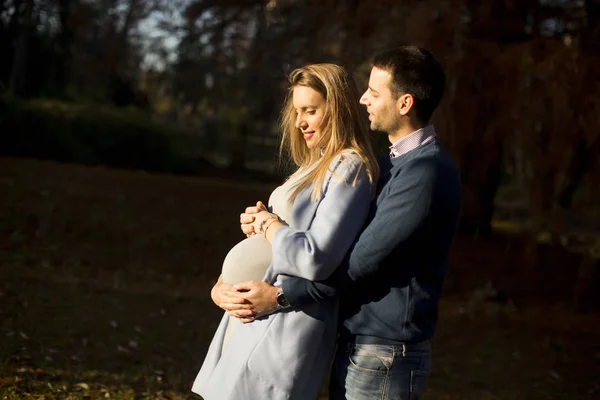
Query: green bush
49	129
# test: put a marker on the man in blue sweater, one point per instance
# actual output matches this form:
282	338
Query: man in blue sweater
391	281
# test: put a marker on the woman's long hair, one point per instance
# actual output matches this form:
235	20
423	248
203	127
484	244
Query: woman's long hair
343	127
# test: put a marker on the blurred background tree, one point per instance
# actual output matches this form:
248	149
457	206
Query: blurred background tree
105	274
519	113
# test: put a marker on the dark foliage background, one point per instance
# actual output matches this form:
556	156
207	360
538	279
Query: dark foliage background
193	87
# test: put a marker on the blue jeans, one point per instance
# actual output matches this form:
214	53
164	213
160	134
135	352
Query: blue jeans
382	372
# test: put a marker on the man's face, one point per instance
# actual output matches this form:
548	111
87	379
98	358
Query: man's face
381	104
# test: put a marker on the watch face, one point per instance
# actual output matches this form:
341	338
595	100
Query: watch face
282	301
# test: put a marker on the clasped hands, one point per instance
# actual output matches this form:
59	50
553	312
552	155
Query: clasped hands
253	219
247	300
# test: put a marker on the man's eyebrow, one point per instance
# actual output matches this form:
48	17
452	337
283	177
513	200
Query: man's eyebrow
373	90
307	107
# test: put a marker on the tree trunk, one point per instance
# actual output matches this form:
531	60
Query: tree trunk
481	180
19	69
14	22
579	165
64	43
258	107
122	92
3	7
590	40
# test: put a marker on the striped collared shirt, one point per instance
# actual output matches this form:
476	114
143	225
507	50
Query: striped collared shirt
412	141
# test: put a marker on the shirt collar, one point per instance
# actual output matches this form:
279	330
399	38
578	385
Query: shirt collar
412	141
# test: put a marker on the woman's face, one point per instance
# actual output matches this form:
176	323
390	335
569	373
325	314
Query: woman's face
310	110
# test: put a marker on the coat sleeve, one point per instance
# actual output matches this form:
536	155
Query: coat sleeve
315	253
403	212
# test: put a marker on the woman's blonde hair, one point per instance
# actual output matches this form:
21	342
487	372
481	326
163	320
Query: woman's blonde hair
343	127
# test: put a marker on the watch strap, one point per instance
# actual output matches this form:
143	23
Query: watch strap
282	301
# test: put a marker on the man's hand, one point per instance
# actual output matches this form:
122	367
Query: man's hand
261	296
247	219
230	300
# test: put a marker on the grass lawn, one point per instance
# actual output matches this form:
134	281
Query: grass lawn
104	293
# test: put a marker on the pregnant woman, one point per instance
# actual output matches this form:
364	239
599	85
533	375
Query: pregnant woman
315	216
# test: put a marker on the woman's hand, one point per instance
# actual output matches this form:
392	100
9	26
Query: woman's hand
231	300
261	219
247	218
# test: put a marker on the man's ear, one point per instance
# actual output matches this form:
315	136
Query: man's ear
405	103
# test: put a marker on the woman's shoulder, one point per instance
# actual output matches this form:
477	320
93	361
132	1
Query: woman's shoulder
346	165
347	159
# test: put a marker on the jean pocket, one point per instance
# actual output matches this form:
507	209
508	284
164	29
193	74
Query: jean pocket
417	383
371	358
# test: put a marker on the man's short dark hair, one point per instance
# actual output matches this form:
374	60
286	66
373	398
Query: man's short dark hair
414	71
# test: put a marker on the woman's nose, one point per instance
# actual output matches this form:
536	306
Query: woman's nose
300	123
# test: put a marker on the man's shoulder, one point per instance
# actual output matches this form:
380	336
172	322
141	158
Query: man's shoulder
428	156
433	149
429	163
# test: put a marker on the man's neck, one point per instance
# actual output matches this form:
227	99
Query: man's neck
404	131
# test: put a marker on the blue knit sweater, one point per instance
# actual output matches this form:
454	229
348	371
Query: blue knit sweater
390	281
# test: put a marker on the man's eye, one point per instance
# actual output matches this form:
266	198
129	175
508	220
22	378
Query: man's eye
311	112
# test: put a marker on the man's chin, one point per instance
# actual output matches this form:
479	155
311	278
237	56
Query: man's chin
376	128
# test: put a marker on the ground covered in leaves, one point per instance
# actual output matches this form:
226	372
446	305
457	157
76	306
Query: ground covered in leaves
104	293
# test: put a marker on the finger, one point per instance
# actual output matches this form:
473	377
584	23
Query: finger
246	320
246	228
246	218
233	295
244	287
230	296
223	287
239	301
241	313
233	307
260	205
251	210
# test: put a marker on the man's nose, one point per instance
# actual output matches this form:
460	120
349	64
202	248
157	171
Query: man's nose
364	99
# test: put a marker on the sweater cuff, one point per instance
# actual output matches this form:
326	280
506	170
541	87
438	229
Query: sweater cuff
292	291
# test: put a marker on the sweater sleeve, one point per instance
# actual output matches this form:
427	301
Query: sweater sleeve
315	253
403	211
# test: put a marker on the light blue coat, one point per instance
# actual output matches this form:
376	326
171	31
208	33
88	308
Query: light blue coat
286	355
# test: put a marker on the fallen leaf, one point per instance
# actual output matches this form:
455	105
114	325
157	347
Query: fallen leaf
555	375
8	381
123	349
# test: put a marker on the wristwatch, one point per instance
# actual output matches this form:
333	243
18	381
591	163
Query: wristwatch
281	300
